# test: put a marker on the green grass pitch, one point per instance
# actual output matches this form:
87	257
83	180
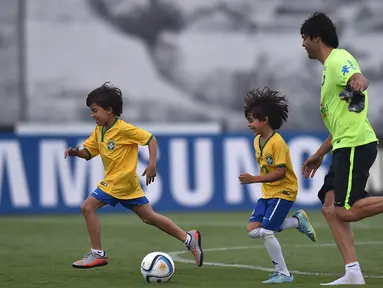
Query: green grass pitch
37	251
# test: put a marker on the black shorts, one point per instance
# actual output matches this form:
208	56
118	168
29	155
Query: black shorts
348	174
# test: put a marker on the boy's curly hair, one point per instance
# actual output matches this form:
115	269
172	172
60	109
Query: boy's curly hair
264	102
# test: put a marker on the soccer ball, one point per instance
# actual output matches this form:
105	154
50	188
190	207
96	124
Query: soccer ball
157	267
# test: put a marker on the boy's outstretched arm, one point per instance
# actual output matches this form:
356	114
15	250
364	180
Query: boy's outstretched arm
82	153
150	171
153	151
278	174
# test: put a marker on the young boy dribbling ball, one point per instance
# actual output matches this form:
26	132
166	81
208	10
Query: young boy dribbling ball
117	143
266	110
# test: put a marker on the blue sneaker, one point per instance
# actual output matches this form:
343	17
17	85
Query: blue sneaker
305	226
279	278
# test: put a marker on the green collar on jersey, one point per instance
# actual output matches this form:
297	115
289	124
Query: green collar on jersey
103	130
260	146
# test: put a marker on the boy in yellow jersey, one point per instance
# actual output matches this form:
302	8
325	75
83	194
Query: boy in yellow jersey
117	143
266	110
352	140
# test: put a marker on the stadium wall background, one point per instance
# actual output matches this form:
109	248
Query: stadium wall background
197	171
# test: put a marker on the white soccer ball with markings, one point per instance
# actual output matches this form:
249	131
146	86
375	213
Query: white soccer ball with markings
157	267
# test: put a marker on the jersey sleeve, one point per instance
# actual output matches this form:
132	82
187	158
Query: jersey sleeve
134	135
280	153
91	146
344	67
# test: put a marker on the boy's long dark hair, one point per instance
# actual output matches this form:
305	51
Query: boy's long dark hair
320	25
264	102
106	96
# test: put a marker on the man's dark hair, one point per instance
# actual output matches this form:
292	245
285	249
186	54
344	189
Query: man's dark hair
320	25
107	97
262	103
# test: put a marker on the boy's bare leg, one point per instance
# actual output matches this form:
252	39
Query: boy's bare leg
192	239
96	257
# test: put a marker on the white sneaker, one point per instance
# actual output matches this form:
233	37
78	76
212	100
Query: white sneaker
195	246
350	278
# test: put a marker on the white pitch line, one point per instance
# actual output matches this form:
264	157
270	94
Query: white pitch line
176	257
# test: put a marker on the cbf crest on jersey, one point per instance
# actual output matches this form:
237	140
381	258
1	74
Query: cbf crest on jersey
269	159
111	145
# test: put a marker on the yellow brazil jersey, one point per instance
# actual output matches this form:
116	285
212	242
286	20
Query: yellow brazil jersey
275	153
118	148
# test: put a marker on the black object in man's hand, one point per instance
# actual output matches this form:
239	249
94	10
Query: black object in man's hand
354	98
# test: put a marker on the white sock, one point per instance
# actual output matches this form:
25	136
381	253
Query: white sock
188	239
256	233
353	266
353	276
275	251
99	252
290	223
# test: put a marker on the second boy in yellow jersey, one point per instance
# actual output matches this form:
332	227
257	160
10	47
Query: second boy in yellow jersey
265	111
117	143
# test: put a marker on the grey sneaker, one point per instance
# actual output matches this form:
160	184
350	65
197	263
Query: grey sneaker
195	246
305	226
91	260
279	278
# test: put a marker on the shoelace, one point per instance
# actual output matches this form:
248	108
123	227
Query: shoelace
299	229
87	255
187	250
278	274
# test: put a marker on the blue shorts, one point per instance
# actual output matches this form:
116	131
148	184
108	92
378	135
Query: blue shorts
271	213
112	201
